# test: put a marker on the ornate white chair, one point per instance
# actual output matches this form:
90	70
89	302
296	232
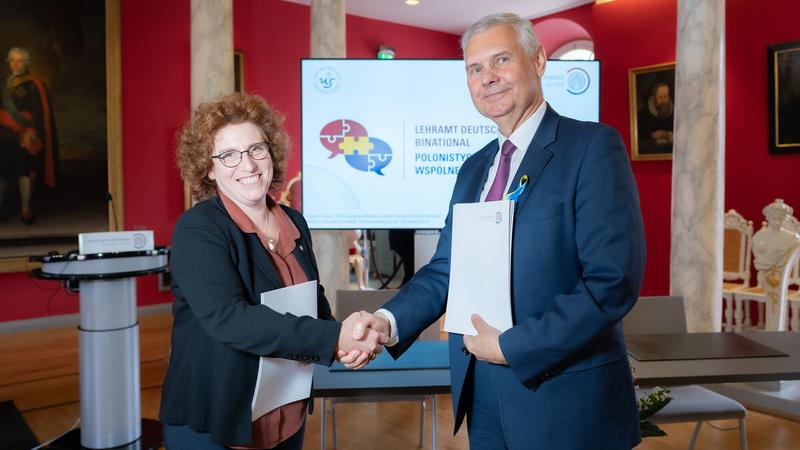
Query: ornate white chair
791	224
776	247
736	267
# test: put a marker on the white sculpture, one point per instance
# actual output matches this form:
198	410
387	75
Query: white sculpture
775	249
771	244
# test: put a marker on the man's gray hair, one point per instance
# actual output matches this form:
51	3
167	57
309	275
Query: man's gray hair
21	51
523	27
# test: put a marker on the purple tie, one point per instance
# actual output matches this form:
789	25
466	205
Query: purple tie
501	179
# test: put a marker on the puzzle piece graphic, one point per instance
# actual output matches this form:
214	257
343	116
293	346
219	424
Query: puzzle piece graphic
350	145
334	132
376	159
379	157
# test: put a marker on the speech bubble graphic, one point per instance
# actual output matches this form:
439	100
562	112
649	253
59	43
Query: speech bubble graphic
378	157
333	133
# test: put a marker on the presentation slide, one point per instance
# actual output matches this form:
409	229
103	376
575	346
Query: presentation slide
383	141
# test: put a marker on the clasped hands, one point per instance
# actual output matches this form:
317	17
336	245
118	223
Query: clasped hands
361	338
363	335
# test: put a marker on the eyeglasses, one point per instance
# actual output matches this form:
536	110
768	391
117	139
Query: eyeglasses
232	158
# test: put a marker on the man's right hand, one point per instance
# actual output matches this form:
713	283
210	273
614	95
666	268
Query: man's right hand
361	338
377	322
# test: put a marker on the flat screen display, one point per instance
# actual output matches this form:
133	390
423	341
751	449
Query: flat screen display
383	141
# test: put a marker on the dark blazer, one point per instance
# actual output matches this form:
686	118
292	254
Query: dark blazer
577	265
220	329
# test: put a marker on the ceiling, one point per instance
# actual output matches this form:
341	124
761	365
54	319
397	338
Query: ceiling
451	16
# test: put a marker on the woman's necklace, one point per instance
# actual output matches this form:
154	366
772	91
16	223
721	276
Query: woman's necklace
270	241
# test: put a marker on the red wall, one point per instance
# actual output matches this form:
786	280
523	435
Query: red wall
629	34
563	27
754	177
365	35
274	36
155	101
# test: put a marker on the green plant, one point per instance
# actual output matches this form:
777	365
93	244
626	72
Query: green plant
649	405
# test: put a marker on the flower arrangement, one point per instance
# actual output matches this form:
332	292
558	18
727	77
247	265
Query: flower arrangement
649	405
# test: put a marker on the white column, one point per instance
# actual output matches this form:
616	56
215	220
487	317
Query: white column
211	56
331	247
211	50
698	162
328	31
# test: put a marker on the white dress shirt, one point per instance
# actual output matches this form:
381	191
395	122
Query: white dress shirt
521	138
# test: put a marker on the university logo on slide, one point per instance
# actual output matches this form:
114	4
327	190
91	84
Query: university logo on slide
577	81
327	79
349	138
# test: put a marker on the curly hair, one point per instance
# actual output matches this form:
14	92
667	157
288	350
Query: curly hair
196	139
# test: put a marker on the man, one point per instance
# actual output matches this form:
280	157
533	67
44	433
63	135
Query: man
656	121
27	132
559	377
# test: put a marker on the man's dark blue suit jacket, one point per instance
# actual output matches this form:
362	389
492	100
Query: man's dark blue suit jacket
577	265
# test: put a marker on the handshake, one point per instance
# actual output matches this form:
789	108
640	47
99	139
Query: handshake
361	337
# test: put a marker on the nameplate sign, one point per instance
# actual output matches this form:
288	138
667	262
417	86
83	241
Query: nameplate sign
115	241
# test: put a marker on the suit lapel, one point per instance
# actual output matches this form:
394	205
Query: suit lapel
301	254
256	251
260	257
537	156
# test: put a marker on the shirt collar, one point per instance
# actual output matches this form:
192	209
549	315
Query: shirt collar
288	232
237	215
523	135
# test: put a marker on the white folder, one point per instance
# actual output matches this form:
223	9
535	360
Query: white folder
283	381
480	266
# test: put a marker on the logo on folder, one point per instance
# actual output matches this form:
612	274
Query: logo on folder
349	138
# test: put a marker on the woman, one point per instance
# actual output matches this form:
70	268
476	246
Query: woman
226	250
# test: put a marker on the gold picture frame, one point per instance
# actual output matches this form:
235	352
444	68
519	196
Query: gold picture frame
784	97
113	106
238	71
651	103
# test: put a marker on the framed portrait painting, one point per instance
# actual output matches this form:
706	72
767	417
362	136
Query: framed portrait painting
652	111
60	132
784	97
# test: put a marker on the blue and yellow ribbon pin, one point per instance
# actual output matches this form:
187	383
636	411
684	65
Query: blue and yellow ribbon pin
519	190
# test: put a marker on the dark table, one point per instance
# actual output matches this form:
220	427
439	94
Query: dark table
726	370
422	370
